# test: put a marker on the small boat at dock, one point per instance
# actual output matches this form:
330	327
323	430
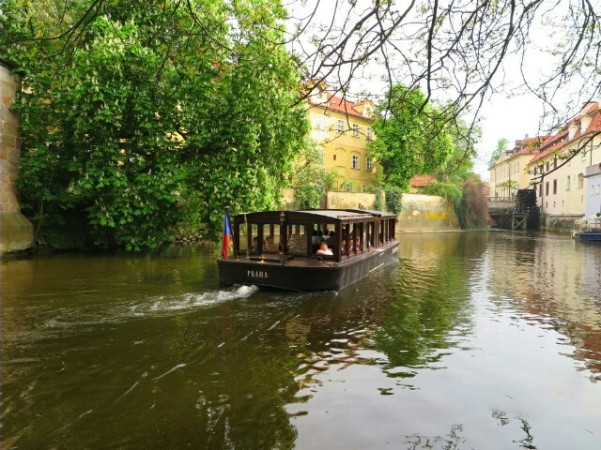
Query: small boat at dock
307	250
587	229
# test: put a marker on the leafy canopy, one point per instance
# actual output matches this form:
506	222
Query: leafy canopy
133	110
412	136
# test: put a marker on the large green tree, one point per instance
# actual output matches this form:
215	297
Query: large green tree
133	110
412	136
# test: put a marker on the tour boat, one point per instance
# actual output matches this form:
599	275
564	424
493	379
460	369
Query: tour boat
314	249
588	229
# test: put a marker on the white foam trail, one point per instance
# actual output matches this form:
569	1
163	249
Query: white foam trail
190	301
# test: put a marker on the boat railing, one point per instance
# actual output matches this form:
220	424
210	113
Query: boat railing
589	224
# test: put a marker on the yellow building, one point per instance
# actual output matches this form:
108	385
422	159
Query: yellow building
510	172
341	129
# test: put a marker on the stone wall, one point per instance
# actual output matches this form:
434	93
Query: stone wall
351	200
16	232
418	212
426	213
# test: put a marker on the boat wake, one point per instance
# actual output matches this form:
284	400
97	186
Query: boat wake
168	304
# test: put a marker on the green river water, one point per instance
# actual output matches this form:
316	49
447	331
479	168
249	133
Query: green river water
471	341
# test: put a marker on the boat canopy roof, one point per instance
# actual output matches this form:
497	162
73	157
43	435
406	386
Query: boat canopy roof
313	216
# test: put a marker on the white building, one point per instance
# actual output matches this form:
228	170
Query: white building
563	172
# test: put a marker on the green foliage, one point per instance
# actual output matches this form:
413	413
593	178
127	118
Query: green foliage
496	154
394	197
310	179
468	199
413	136
140	116
473	208
379	202
459	165
449	190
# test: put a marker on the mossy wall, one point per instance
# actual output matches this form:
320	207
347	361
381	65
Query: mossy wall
426	213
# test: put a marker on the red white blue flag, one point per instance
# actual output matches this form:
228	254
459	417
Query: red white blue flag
227	236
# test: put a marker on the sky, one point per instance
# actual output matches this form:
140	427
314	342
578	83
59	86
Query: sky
509	118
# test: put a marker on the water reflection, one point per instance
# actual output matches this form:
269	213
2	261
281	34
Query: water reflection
554	281
462	344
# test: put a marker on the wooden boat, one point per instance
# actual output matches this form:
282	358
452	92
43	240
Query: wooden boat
588	230
279	249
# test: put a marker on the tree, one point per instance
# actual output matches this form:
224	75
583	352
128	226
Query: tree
501	147
310	178
135	109
412	136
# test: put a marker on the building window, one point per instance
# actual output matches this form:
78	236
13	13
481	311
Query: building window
369	165
580	181
568	183
340	127
355	161
547	188
554	187
540	190
369	134
355	128
334	156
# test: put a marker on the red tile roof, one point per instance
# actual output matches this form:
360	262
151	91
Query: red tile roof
557	141
422	180
340	104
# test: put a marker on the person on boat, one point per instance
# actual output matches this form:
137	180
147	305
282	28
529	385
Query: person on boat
324	250
269	245
358	246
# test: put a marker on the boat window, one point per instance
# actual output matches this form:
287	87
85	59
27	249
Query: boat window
297	239
243	238
271	238
256	245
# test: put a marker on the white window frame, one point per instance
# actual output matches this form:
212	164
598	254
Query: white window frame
369	164
355	128
340	126
355	161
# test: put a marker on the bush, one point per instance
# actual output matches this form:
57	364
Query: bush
394	197
473	208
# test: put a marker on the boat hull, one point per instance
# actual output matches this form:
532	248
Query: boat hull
305	274
587	236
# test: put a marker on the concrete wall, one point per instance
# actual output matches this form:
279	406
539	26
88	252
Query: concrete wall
426	213
16	232
418	212
351	200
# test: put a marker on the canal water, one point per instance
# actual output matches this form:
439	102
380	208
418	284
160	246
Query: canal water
471	341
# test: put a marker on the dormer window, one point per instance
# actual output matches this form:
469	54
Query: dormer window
572	128
584	124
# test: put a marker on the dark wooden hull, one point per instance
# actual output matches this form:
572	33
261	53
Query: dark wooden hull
304	273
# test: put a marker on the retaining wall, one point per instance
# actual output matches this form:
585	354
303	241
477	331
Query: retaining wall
16	232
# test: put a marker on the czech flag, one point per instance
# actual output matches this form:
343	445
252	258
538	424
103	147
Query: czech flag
227	236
